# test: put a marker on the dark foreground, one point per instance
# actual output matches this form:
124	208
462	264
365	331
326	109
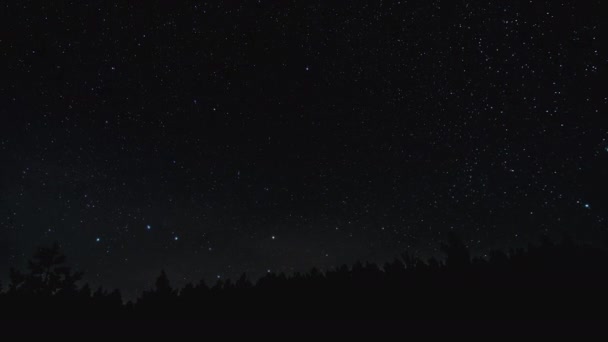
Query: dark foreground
546	290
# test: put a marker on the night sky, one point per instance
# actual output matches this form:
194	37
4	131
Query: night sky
215	138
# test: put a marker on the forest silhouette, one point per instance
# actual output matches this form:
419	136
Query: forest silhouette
546	288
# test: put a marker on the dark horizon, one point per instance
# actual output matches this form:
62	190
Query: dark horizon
439	257
406	259
547	289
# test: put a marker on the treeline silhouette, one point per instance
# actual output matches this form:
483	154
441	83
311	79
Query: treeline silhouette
546	288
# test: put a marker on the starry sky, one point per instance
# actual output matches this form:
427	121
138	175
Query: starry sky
214	138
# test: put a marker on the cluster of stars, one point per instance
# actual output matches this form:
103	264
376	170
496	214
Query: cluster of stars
356	131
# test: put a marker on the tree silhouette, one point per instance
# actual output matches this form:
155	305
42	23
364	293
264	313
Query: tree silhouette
163	286
553	280
162	294
243	282
47	274
457	253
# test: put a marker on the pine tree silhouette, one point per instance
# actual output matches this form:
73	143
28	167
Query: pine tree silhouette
47	274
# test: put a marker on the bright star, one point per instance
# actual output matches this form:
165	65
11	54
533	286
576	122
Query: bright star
97	239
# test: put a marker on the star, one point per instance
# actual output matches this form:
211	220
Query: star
148	227
97	239
273	237
176	238
587	206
